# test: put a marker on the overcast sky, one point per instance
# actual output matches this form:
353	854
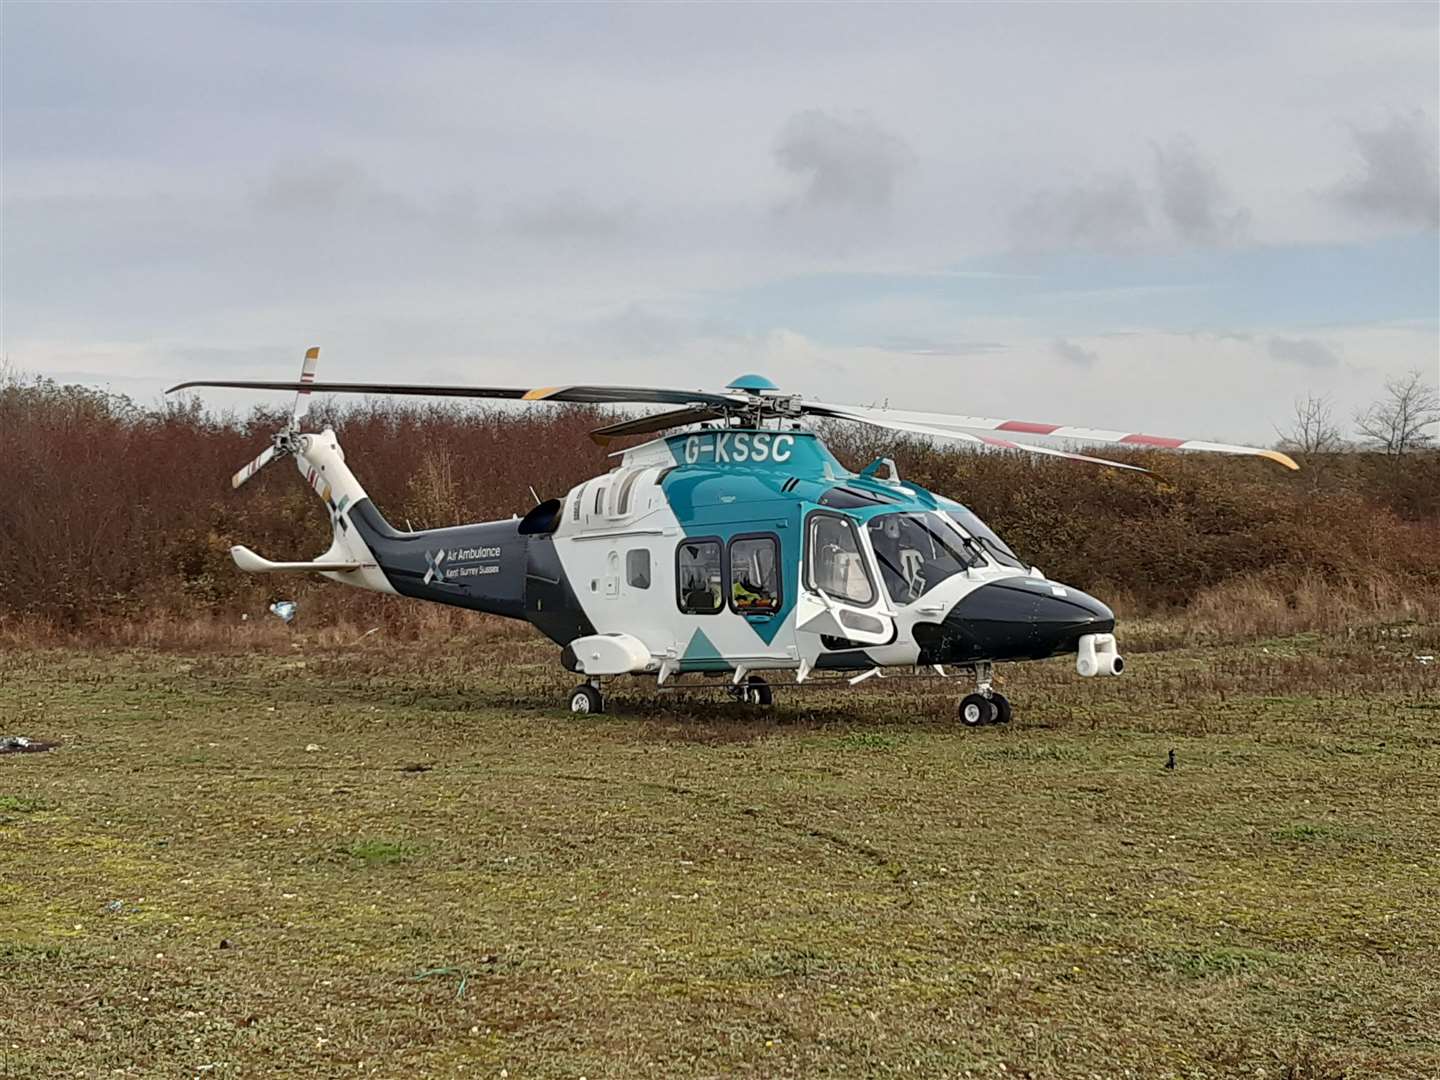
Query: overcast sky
1167	217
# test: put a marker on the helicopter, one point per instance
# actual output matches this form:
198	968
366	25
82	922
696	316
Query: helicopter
733	545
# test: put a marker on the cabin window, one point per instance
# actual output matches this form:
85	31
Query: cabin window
600	499
579	498
637	568
755	575
834	563
699	577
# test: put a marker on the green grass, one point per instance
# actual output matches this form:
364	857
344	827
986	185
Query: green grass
23	804
380	852
851	885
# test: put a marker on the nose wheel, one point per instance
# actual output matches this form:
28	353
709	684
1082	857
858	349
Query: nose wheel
977	709
985	706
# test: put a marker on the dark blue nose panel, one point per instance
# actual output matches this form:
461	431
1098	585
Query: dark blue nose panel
1014	619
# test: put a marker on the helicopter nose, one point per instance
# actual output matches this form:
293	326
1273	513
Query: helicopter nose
1013	619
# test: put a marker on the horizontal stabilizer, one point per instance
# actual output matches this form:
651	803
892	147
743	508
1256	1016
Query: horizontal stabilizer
251	563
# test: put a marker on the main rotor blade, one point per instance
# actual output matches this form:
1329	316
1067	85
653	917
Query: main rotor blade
882	420
644	425
1065	431
582	395
266	456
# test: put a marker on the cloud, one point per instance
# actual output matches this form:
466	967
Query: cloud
1192	197
322	187
1307	352
1113	213
1105	213
1074	354
566	214
848	162
1399	177
912	345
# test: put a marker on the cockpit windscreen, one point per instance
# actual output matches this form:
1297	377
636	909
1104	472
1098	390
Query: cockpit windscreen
996	548
918	550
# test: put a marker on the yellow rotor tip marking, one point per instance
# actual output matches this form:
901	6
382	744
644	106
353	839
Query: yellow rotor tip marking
312	353
540	392
1283	459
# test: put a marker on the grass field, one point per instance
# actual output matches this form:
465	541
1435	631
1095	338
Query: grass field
405	860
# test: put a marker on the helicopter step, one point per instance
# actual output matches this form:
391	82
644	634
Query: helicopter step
589	696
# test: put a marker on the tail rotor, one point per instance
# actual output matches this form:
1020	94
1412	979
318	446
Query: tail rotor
283	442
302	396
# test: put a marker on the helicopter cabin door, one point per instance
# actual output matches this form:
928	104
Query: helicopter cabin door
732	600
839	599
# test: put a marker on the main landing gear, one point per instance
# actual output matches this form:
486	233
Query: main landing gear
754	692
985	706
587	698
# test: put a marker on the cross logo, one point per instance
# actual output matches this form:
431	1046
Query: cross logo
433	561
337	513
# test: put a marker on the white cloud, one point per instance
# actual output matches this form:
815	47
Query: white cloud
1399	175
846	162
1196	203
1075	354
1105	213
1306	352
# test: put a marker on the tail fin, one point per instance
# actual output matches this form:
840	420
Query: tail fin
348	559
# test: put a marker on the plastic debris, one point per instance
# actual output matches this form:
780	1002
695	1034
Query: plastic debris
284	610
1428	658
19	744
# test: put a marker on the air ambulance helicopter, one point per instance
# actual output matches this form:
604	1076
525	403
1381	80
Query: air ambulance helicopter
736	546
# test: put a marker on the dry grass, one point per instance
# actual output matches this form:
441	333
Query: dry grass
462	879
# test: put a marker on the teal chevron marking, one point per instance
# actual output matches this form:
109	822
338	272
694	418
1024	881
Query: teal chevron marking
701	655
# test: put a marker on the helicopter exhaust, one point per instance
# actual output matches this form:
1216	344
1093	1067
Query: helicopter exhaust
1098	655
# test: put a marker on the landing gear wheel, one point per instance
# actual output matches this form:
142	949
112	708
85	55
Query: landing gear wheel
976	709
756	692
586	699
1002	708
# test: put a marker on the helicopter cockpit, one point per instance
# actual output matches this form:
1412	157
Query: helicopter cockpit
918	549
994	547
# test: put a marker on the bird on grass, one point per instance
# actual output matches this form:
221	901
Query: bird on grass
1170	761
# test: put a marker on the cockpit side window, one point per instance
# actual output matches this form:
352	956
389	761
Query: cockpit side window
918	550
834	563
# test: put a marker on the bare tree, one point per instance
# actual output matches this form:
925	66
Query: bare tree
1398	421
1312	427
